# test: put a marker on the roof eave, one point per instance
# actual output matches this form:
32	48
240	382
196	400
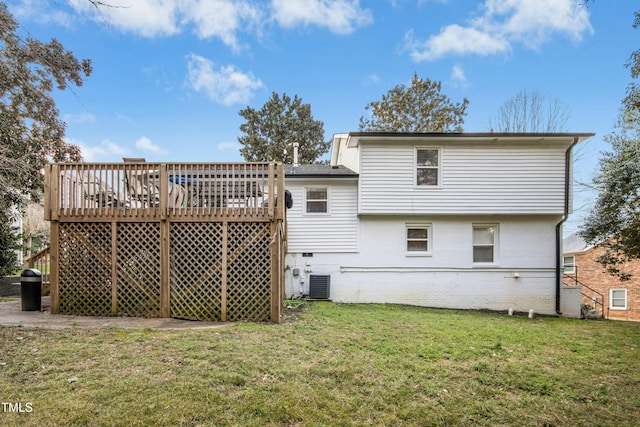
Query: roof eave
357	137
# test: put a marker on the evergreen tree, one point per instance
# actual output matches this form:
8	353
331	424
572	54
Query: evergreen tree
420	107
614	221
269	133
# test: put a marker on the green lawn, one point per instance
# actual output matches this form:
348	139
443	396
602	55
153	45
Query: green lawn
331	364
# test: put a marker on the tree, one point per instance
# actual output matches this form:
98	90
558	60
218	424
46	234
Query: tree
9	244
33	225
632	100
614	221
420	107
31	133
271	131
530	112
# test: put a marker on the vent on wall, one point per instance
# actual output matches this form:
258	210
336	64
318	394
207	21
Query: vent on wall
319	286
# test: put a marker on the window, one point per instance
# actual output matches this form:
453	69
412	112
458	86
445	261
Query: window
427	167
569	264
618	299
484	243
317	200
418	239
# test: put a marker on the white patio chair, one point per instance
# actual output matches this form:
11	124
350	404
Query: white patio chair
141	188
97	191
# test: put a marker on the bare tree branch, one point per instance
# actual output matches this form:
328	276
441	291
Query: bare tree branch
531	112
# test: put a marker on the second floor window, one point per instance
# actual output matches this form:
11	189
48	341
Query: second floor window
569	265
317	200
427	167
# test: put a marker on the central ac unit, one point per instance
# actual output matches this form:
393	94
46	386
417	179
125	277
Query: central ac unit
319	286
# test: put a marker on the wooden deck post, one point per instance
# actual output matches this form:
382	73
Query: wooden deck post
165	245
114	268
223	271
275	215
54	260
281	236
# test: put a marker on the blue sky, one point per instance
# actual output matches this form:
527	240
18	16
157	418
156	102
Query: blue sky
170	76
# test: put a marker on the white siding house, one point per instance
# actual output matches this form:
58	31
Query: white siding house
16	222
440	220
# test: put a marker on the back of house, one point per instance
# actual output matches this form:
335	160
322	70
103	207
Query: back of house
452	220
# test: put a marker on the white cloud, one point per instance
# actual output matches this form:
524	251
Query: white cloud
123	118
371	79
339	16
106	150
149	18
533	22
457	40
503	23
222	19
109	151
40	12
145	144
228	146
225	85
79	118
458	77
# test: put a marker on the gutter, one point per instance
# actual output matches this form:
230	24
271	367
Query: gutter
567	186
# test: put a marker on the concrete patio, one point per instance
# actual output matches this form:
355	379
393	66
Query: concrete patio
11	314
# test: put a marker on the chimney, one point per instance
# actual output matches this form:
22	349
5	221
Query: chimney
295	154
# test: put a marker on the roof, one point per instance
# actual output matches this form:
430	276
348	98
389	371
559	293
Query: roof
318	171
467	136
472	134
574	244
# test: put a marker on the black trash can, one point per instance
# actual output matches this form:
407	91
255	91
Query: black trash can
31	289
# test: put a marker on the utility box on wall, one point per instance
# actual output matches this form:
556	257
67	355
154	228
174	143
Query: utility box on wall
319	286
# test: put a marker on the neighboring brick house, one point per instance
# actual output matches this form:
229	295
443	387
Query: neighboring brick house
621	299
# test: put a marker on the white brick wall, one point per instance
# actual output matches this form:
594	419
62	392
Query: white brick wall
381	272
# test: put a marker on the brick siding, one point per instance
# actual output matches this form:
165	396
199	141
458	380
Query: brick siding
591	273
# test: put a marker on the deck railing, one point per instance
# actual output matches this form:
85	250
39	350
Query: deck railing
191	240
589	294
91	191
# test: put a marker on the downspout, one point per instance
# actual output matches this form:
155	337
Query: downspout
567	186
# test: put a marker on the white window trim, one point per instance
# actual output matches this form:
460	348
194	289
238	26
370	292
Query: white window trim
626	299
496	244
415	168
429	250
572	266
309	187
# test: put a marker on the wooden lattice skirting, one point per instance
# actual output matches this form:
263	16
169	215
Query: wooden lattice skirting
193	270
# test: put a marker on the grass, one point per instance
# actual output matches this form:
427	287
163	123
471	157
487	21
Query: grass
330	364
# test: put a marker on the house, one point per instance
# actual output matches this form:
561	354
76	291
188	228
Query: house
620	300
15	216
452	220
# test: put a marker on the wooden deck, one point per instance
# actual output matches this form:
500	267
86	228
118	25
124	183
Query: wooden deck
201	241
